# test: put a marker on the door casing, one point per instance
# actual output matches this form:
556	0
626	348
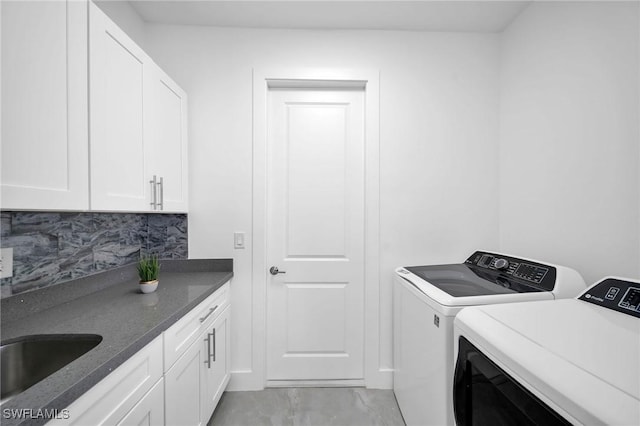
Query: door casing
263	80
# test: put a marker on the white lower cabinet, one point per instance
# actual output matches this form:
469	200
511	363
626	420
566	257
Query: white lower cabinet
196	381
216	372
149	411
111	400
177	379
183	386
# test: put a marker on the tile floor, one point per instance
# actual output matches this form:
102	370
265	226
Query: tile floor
308	407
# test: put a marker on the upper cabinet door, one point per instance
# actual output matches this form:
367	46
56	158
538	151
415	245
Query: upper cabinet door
44	105
117	101
166	140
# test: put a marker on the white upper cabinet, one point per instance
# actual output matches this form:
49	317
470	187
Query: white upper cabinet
138	125
117	68
44	105
166	140
88	119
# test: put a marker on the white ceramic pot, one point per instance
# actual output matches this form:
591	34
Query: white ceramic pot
148	286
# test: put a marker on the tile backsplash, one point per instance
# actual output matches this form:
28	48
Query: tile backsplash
50	247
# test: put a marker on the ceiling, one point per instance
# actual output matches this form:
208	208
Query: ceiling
424	15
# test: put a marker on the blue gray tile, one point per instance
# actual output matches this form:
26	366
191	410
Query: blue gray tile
5	223
52	247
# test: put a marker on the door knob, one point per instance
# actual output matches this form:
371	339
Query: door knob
274	271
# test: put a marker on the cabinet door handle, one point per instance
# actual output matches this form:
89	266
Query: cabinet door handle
208	360
161	185
154	184
214	344
211	310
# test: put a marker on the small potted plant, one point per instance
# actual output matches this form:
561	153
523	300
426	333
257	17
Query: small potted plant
148	268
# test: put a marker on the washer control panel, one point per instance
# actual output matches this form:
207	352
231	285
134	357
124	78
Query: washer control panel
532	273
619	295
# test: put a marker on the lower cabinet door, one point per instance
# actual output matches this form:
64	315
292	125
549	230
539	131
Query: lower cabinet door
216	371
183	388
111	399
149	411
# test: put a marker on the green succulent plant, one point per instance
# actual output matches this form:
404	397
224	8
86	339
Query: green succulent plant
148	268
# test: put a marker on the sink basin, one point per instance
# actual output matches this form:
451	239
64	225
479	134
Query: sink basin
27	360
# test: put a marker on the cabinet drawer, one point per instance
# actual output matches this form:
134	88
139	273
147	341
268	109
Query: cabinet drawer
184	332
114	396
149	411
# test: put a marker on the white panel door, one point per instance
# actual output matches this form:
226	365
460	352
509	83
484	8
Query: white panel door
166	139
315	231
116	76
44	105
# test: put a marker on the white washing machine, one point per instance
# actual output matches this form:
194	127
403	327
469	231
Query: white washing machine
426	300
574	361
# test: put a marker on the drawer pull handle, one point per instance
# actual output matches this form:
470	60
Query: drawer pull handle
211	310
160	205
214	345
208	341
154	193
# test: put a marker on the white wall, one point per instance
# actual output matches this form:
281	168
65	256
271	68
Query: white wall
123	14
438	135
569	136
561	85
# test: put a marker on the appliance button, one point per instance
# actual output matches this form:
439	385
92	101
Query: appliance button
612	293
501	264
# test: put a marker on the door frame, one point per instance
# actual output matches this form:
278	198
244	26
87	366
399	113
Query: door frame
375	377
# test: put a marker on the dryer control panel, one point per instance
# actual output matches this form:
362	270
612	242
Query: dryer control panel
613	293
532	273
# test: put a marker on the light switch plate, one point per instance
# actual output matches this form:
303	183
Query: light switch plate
6	262
238	240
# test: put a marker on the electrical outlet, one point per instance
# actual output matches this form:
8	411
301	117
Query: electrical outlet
238	240
6	262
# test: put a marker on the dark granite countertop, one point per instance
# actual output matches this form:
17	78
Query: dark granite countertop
111	305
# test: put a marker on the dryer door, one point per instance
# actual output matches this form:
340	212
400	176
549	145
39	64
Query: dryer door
483	394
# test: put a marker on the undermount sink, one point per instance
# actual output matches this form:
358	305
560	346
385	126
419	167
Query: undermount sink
28	359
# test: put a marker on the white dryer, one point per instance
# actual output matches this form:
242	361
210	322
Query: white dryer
574	361
426	300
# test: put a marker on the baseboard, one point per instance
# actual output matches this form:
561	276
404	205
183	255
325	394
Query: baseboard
315	383
245	380
381	379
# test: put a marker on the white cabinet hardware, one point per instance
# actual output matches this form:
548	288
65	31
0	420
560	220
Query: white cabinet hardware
160	204
211	310
154	197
